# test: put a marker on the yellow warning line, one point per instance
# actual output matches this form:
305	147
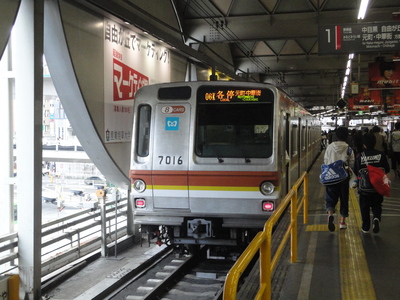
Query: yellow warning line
317	227
355	277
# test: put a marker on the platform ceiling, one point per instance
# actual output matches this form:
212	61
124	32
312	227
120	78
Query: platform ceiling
260	40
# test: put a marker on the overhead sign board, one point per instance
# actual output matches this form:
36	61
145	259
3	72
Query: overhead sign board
358	38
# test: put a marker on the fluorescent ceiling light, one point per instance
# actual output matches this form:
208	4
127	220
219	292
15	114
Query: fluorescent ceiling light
363	9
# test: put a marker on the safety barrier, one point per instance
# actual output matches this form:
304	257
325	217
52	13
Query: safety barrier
67	239
9	249
263	243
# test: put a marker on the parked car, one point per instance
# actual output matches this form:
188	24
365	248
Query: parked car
95	180
49	196
45	171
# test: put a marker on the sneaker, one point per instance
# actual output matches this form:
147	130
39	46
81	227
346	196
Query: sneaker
375	226
331	225
343	225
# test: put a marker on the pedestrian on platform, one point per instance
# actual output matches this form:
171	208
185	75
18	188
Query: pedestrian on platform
338	150
395	148
381	143
370	200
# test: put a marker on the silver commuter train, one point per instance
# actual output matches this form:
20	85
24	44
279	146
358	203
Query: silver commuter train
211	161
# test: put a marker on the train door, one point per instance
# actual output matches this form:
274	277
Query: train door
294	153
171	156
287	151
301	145
308	145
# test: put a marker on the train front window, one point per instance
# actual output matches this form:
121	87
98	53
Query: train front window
234	130
143	130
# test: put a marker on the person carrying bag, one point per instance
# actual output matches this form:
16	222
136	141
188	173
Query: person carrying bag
337	151
370	191
335	172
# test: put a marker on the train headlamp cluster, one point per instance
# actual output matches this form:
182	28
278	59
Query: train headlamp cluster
139	185
267	188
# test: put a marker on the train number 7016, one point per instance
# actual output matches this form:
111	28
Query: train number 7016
170	160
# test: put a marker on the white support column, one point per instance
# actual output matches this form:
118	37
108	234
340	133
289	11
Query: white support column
6	150
28	62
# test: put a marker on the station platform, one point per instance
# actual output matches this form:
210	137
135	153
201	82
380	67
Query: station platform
344	264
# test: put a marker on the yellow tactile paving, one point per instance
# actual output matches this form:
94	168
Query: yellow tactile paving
355	277
317	227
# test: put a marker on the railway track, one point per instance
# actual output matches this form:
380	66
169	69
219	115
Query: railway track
178	276
199	275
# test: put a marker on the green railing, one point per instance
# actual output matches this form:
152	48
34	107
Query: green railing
263	243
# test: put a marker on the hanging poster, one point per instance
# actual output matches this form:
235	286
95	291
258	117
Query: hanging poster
368	99
364	99
384	75
130	61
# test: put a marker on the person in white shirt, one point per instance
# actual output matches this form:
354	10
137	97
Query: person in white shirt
338	150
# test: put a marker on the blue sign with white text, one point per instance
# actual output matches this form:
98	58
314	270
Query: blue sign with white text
172	123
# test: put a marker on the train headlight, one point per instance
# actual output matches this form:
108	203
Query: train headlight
267	188
139	185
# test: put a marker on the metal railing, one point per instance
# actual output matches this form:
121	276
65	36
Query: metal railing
63	148
8	250
263	243
67	239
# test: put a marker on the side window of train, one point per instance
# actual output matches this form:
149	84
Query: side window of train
303	137
143	130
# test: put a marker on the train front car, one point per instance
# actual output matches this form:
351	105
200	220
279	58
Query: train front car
205	161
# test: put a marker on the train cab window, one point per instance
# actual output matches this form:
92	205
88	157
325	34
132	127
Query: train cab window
234	130
143	133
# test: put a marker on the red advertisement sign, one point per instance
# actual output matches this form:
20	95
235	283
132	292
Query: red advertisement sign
384	75
126	81
385	100
364	99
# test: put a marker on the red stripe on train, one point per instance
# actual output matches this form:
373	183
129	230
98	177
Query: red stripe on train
205	178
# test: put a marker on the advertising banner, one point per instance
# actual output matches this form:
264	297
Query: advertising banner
130	62
384	75
385	100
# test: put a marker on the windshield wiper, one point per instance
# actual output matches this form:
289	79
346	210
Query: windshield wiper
215	152
246	159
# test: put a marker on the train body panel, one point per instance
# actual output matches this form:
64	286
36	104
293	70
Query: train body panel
212	157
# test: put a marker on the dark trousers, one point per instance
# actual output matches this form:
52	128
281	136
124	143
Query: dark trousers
370	202
395	160
335	192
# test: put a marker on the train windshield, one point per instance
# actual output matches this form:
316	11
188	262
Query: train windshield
235	129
